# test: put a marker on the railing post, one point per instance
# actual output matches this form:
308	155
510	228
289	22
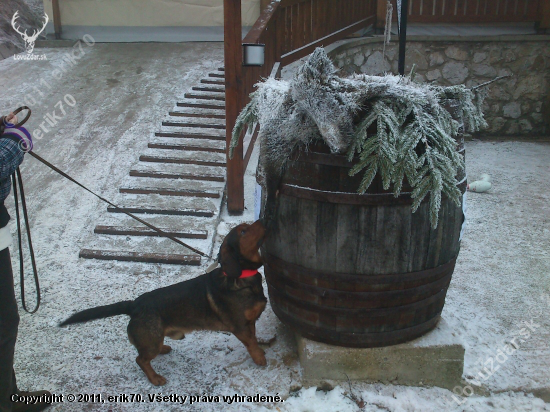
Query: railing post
544	23
381	8
56	19
233	102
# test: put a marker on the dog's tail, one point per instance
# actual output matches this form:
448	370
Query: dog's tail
120	308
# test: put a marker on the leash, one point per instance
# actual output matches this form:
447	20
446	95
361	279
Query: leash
149	225
18	181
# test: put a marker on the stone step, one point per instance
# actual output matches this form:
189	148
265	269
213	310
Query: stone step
145	231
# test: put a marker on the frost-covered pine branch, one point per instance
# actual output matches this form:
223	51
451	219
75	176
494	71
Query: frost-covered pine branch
414	141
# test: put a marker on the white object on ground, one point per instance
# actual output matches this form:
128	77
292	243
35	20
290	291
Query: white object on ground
481	185
5	237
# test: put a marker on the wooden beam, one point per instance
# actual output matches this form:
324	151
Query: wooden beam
169	192
157	174
381	8
185	135
186	147
145	231
544	23
165	211
234	102
177	160
141	257
56	19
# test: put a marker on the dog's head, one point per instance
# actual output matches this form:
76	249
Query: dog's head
239	250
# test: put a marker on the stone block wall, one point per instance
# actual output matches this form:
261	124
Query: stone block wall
515	106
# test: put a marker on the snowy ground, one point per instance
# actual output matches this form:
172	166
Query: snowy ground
500	282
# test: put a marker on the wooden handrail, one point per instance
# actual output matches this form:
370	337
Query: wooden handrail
253	36
290	29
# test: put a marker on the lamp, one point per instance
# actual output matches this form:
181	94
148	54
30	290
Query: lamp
253	54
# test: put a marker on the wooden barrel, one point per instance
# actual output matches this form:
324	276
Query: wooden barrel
356	270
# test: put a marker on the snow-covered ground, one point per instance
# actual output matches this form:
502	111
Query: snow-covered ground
122	91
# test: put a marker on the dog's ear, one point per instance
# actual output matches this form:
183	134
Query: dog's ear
229	256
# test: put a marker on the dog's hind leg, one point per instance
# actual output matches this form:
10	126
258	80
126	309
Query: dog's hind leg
147	335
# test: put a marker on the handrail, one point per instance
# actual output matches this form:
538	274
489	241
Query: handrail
290	29
480	11
253	36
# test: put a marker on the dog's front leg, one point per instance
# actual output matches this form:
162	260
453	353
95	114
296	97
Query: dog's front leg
247	336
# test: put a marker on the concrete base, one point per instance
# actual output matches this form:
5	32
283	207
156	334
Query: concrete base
435	359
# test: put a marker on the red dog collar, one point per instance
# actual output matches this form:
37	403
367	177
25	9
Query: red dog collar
246	273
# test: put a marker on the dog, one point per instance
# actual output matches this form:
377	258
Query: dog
229	298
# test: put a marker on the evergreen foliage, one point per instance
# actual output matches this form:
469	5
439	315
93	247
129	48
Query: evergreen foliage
413	140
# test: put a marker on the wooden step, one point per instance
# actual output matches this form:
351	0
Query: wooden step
201	105
209	89
204	96
162	211
165	191
210	81
166	175
217	75
221	69
190	148
185	135
162	159
200	115
197	125
145	231
141	257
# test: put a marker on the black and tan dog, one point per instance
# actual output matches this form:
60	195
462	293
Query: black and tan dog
229	298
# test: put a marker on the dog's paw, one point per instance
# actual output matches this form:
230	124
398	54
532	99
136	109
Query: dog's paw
259	358
165	349
158	380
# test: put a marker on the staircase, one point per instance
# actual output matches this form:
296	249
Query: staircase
177	185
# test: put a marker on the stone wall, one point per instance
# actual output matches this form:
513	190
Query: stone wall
515	106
